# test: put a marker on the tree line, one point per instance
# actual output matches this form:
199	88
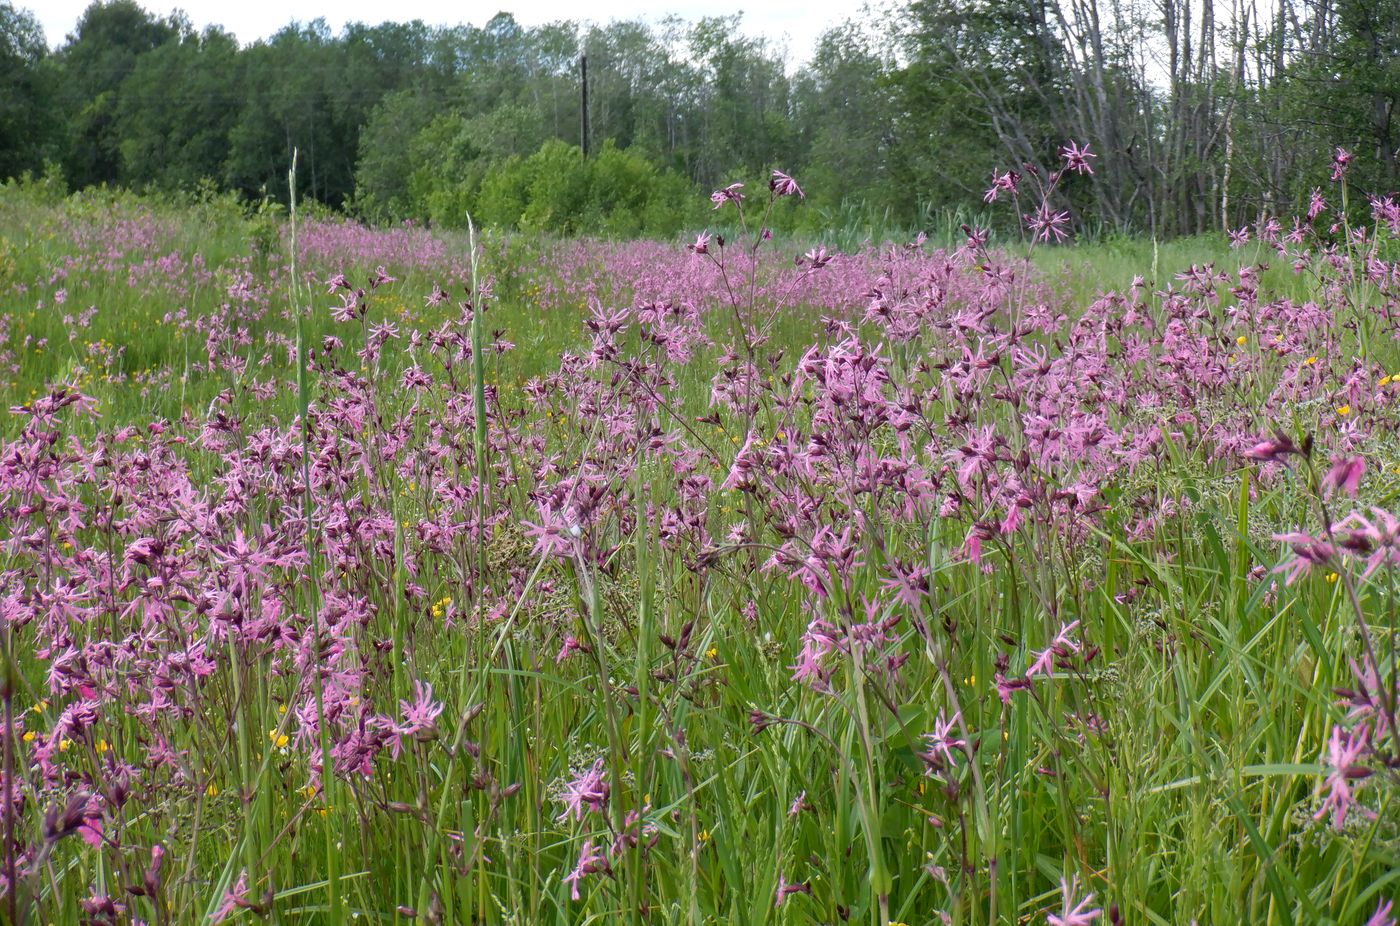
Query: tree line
1203	114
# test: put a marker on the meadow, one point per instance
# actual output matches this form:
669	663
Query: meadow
384	575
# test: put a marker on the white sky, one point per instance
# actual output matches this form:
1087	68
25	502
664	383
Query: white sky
796	23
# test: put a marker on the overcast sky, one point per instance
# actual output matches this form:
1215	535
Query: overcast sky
797	23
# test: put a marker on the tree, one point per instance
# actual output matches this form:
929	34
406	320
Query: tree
26	114
842	112
110	39
285	107
742	110
1351	85
964	101
175	111
386	161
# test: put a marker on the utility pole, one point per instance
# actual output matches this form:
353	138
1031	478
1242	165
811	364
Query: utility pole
583	120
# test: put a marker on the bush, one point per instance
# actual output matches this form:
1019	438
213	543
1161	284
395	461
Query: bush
617	193
505	191
447	170
48	189
559	183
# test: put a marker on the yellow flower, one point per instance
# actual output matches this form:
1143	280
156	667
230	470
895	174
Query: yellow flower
29	736
212	790
1310	361
101	746
1241	340
1344	410
63	745
279	740
1331	578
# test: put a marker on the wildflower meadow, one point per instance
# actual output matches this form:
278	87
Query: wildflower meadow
355	575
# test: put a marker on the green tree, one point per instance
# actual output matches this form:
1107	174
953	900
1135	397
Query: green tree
386	154
843	115
27	120
1349	92
110	39
176	109
945	138
557	189
742	111
285	107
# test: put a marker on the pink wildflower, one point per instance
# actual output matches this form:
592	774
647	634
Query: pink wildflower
591	861
815	259
1316	204
235	898
1341	160
1059	649
786	889
729	194
419	718
588	791
1077	158
1002	183
1345	475
1343	757
943	744
1274	449
1072	912
783	185
1045	224
1308	551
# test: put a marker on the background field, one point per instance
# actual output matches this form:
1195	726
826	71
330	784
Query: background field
913	584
